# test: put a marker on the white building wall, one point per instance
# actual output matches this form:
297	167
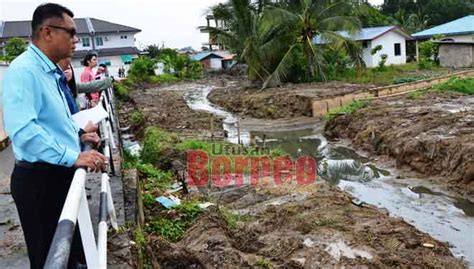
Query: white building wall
461	38
388	42
114	40
366	56
109	41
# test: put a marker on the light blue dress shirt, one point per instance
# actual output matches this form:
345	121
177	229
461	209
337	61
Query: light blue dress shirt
35	111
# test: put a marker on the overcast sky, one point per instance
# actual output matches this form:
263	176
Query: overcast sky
173	22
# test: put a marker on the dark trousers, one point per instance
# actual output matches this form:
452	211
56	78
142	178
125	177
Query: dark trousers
39	194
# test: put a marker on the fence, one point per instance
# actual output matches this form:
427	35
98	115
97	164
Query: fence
76	207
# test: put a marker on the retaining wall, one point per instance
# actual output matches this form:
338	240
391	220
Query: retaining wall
322	106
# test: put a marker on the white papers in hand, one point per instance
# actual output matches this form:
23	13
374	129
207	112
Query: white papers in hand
95	114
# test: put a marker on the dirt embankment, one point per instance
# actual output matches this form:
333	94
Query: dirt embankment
165	107
433	135
284	102
312	227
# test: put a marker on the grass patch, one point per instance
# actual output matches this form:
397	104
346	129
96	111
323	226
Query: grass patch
347	109
231	218
462	85
164	78
136	118
263	263
176	221
416	94
393	74
327	222
121	91
194	144
155	142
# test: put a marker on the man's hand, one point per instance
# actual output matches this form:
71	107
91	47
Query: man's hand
91	127
91	138
119	79
91	159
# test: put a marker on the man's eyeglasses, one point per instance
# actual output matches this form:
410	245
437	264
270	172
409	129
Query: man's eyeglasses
72	32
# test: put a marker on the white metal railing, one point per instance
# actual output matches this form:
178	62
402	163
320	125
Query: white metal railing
76	207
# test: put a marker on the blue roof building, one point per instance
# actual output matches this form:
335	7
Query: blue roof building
461	27
391	38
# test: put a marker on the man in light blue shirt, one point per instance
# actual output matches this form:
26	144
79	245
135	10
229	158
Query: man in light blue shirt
45	140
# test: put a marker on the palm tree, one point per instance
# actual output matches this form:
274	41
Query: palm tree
308	19
244	32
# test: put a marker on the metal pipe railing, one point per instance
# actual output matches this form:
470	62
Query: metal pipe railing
76	208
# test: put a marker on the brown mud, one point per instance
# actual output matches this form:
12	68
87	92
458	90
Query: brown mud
314	226
432	135
165	107
288	101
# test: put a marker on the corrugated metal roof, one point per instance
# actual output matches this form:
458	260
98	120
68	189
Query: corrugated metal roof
107	52
464	25
23	28
101	26
365	33
203	55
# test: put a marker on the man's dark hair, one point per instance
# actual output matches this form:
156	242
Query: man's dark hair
87	58
47	11
103	65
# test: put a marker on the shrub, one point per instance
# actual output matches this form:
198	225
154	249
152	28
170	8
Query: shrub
155	143
121	91
178	219
14	47
141	69
163	78
136	118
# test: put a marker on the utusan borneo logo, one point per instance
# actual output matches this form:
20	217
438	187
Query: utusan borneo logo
231	166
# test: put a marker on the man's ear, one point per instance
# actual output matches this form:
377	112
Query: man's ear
46	33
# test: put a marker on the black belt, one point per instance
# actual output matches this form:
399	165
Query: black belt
39	165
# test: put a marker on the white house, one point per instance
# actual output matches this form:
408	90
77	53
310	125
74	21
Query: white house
391	38
114	43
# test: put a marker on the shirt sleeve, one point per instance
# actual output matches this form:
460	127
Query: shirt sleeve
94	86
22	101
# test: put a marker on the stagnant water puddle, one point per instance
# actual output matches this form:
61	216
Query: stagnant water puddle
444	217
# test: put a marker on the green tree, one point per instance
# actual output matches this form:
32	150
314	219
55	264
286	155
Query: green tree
307	19
14	47
153	50
246	33
370	16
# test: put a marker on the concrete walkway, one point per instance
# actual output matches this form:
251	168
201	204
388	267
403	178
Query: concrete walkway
12	245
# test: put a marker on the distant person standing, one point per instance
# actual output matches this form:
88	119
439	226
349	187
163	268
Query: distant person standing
88	75
46	142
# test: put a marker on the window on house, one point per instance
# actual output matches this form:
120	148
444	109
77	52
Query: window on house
365	44
86	42
99	41
398	49
123	37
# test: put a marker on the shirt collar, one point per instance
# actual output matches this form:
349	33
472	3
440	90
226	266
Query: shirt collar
44	61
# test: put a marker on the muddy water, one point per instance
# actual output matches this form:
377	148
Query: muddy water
445	217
